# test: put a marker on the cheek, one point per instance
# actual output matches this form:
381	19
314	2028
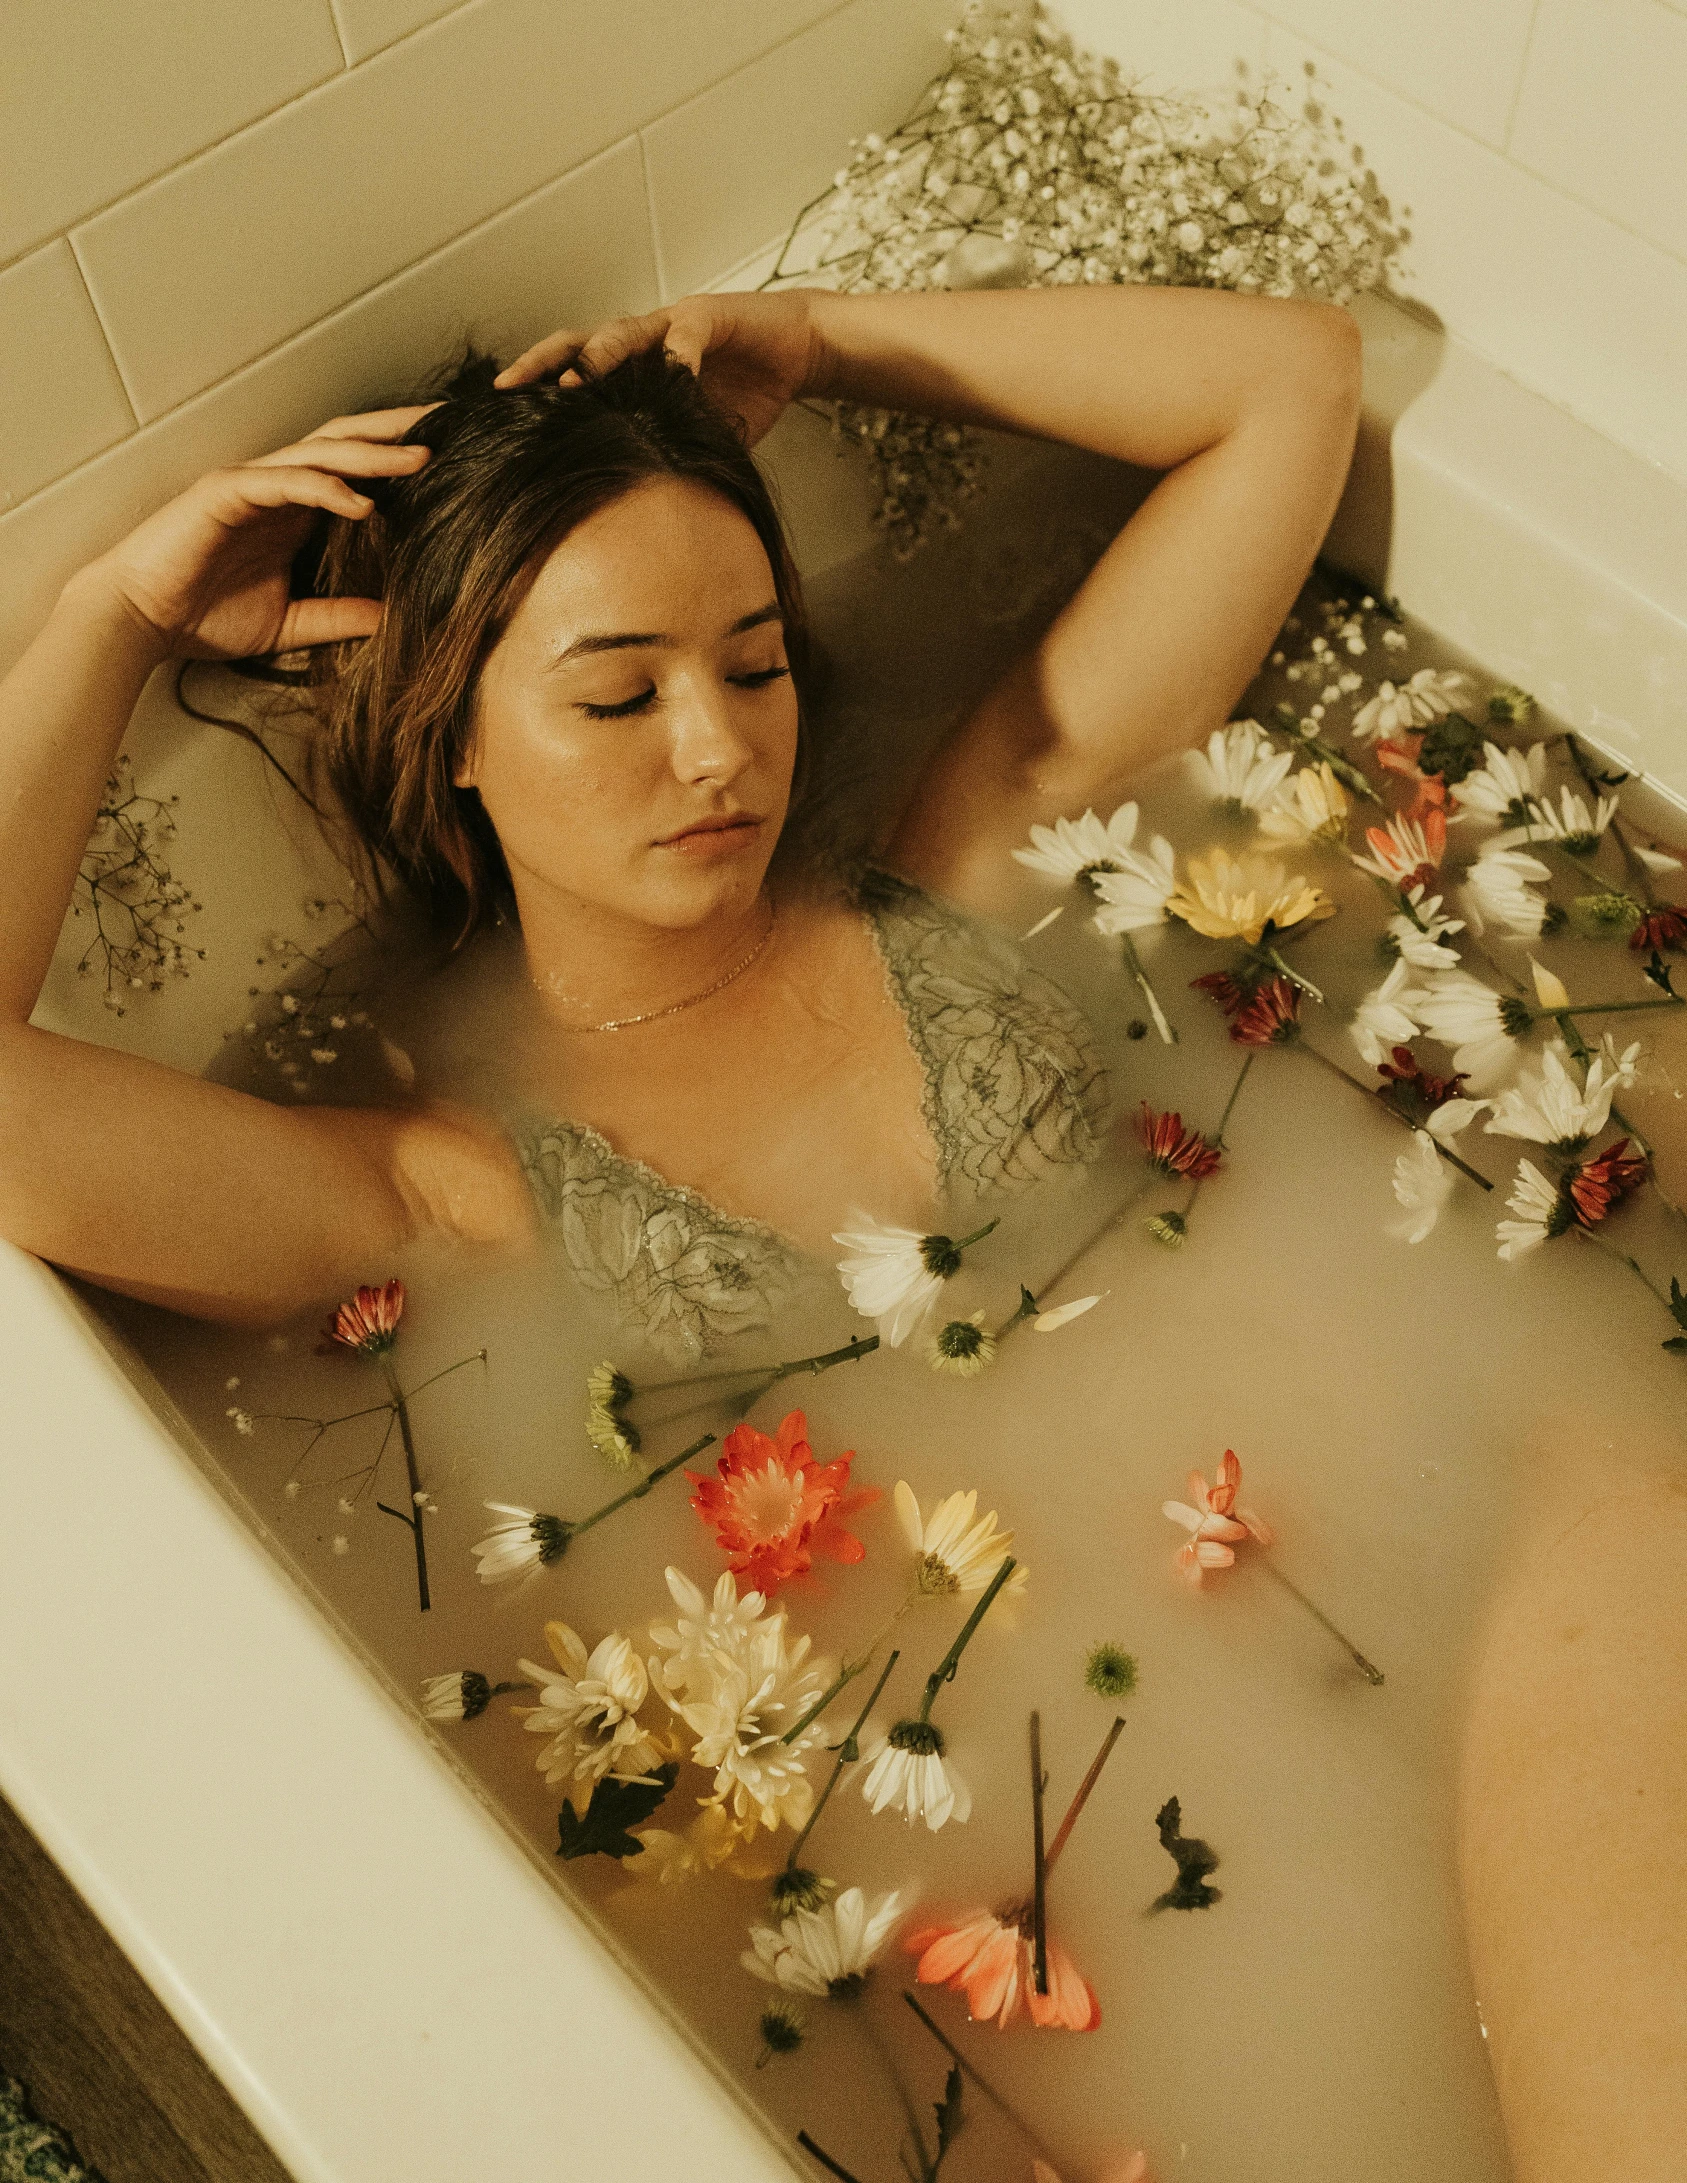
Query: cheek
560	801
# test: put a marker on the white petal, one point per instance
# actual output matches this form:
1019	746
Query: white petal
1046	1322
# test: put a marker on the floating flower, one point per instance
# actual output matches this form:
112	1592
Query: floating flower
1311	806
463	1695
1214	1523
782	2029
713	1842
826	1952
1406	852
907	1770
1133	898
1423	1182
1109	1670
588	1707
772	1507
1169	1230
1569	822
1081	848
1418	933
740	1691
1502	788
1050	1322
370	1321
1510	705
954	1548
1429	695
1497	891
988	1957
894	1275
1433	1102
1228	898
510	1549
962	1347
1599	1184
1269	1016
1386	1017
1654	858
1660	928
1543	1210
1553	1109
1482	1027
1173	1150
608	1391
1241	766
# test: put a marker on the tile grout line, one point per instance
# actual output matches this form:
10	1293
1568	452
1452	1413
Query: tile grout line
1522	72
339	31
656	257
111	351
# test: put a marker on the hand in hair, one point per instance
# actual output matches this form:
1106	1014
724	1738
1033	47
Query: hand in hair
753	354
207	577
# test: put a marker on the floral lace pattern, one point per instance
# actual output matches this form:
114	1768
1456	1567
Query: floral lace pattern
1014	1089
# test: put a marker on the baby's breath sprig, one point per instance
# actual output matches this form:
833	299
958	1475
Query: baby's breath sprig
138	908
304	1014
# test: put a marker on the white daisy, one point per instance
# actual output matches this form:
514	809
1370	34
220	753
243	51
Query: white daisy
1420	938
907	1771
588	1707
1569	822
1311	806
1655	859
1386	1017
511	1549
827	1951
1423	1182
1402	847
1553	1109
463	1695
1481	1028
1429	695
1452	1117
1075	848
1497	891
889	1277
1133	898
1241	766
1503	787
954	1548
1542	1208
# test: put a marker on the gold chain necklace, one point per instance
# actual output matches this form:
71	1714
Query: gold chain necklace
651	1015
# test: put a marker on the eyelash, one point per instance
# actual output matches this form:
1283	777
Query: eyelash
755	681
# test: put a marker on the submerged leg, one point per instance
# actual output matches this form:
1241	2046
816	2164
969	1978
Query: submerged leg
1574	1833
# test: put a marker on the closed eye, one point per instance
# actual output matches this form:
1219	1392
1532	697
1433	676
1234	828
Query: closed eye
755	681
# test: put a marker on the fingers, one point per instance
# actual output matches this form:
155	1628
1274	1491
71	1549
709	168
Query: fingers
575	357
346	457
541	360
236	496
373	424
328	621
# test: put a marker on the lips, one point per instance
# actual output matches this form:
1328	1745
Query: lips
736	822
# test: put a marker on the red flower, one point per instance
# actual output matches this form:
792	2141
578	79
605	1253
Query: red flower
1401	756
370	1321
773	1507
1269	1016
1224	989
988	1957
1660	929
1599	1184
1174	1150
1420	1088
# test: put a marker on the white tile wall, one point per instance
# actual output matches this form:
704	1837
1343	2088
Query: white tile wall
1459	58
55	371
367	25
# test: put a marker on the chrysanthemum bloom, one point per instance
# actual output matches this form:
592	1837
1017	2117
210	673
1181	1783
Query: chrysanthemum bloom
1419	1092
510	1549
1553	1109
1509	705
712	1842
1174	1150
608	1392
1386	1016
1407	852
1419	933
962	1347
1236	898
1543	1210
826	1952
894	1275
588	1707
1241	766
1423	1182
954	1548
463	1695
1600	1183
1215	1523
908	1771
1270	1016
1568	822
988	1957
1133	897
370	1321
1503	787
1499	890
1429	695
1311	806
773	1507
1665	928
781	2028
1079	848
1109	1670
1168	1229
1480	1025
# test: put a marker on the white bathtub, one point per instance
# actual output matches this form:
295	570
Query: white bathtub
381	1978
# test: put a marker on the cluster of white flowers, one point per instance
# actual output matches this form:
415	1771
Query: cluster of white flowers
139	910
1030	163
313	1002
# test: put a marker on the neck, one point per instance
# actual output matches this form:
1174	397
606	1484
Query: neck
592	966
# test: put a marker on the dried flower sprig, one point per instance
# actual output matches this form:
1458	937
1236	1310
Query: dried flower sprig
139	910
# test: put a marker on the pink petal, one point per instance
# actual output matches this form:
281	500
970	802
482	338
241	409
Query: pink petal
1261	1530
1211	1555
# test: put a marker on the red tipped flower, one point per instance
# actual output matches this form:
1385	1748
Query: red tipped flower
1223	988
1214	1523
1174	1150
1599	1184
1417	1088
1270	1016
988	1958
773	1507
370	1321
1660	929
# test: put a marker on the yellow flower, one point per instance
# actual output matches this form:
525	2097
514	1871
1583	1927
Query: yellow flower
1312	806
1235	898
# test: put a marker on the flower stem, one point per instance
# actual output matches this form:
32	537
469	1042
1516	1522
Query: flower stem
975	2076
1133	962
1294	977
1114	1217
847	1673
1381	1105
1217	1137
1367	1669
1083	1796
1624	1258
863	1345
910	2114
944	1672
816	2152
1039	1863
401	1410
977	1235
1612	1008
635	1493
848	1752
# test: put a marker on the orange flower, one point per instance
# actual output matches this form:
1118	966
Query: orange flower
1172	1149
1215	1523
1599	1184
988	1958
1268	1017
773	1507
370	1321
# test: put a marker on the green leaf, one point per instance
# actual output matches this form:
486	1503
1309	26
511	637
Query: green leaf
1452	748
1678	1343
1677	1302
616	1806
949	2116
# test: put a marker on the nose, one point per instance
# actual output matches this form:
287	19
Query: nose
707	748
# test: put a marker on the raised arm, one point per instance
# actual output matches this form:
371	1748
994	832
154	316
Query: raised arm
1247	404
143	1178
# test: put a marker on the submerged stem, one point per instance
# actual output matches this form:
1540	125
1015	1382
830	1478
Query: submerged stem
819	2153
862	1345
944	1672
1039	1863
1133	962
848	1672
1624	1258
848	1753
975	2076
1083	1796
636	1493
1371	1673
1381	1106
401	1410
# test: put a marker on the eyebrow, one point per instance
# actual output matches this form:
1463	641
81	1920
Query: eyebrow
626	640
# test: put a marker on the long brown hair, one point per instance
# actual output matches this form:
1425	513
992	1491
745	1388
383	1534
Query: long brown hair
451	553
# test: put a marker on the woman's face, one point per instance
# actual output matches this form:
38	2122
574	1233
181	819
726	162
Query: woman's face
636	724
